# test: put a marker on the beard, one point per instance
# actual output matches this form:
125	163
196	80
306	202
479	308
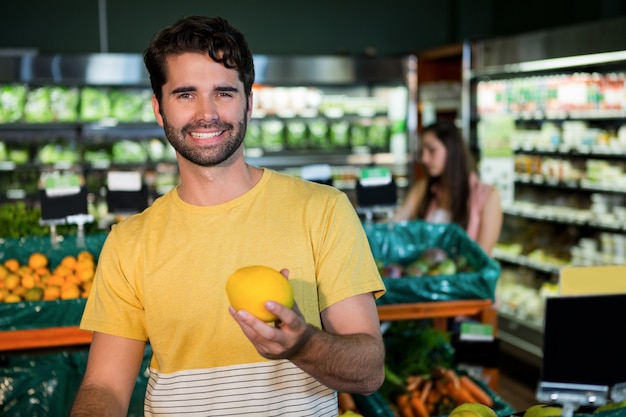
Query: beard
210	155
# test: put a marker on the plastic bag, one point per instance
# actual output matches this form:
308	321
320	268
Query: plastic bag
403	242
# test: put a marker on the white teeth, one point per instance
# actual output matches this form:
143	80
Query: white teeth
205	135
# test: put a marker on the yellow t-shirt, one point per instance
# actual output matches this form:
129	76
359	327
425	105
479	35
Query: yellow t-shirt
161	278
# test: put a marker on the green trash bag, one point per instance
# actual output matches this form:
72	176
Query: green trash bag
402	243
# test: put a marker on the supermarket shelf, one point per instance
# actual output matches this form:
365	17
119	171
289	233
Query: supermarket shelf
521	339
43	338
527	262
72	335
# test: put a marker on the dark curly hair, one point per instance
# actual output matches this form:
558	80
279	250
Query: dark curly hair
211	35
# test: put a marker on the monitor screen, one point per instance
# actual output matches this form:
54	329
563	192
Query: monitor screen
584	341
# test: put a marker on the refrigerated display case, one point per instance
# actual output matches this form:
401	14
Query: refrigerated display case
93	111
545	113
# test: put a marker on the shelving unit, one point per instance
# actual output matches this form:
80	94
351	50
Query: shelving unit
365	108
546	113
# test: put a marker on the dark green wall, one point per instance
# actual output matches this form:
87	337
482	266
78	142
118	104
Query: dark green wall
291	27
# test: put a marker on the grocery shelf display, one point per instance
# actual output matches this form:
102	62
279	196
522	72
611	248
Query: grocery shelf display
92	113
545	113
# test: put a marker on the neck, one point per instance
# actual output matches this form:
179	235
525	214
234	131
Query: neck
202	186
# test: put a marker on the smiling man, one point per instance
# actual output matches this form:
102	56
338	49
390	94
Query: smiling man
161	274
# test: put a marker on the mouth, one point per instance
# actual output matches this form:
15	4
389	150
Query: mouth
206	135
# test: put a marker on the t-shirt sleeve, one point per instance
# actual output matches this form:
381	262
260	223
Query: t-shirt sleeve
347	266
114	305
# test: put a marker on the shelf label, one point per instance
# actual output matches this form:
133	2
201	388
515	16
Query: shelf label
375	176
124	181
476	332
62	184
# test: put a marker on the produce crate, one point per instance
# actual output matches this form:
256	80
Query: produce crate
403	242
42	383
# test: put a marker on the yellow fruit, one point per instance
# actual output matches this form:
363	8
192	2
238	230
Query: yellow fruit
21	291
543	410
84	255
28	281
12	281
472	410
37	260
70	291
69	262
12	264
12	298
52	292
34	294
250	287
3	272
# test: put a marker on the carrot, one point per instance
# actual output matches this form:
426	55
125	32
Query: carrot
426	390
346	401
418	406
404	405
463	396
453	378
476	391
413	382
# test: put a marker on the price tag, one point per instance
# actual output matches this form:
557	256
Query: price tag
375	176
476	332
58	185
124	181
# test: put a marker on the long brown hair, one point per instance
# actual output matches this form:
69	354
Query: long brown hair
456	174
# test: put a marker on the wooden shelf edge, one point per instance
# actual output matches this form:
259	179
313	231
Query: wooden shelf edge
433	309
43	338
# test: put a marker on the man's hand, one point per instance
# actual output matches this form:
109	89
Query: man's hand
280	341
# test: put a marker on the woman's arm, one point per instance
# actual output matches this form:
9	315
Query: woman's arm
413	199
490	222
112	370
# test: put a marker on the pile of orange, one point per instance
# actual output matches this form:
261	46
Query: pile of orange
37	280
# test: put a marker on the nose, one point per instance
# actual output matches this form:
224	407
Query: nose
207	109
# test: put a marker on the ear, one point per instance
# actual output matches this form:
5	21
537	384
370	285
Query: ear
157	110
249	115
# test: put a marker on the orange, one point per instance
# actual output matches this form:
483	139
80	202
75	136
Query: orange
52	292
12	281
70	291
12	264
84	255
37	260
69	262
250	287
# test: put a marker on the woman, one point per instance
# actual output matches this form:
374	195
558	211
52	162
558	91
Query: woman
452	191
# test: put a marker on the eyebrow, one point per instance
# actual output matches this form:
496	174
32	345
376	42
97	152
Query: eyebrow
186	89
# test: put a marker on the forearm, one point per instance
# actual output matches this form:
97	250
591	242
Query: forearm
96	401
347	363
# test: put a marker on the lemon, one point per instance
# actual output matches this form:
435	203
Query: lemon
472	410
250	287
543	410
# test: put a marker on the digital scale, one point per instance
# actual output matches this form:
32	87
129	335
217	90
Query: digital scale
584	360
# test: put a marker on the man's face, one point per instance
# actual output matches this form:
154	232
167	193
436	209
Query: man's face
203	111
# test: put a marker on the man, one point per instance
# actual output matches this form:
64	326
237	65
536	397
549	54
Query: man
161	274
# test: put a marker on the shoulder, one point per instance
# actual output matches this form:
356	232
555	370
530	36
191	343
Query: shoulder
292	183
